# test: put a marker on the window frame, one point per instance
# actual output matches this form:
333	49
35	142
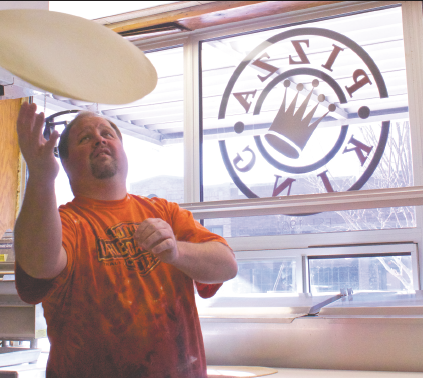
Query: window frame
257	246
301	257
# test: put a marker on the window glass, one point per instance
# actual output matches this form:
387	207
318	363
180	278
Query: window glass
152	132
155	171
313	108
158	169
366	273
330	221
262	276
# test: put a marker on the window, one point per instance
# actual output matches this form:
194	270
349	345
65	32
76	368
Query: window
265	276
361	273
214	130
157	169
325	270
312	108
216	229
152	132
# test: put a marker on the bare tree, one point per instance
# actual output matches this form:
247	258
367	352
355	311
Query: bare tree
399	270
394	170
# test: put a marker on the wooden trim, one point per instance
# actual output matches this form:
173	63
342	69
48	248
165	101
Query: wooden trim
9	159
143	13
273	21
174	16
248	12
21	176
21	184
216	13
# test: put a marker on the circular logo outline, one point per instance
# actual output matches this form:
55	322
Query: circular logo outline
365	57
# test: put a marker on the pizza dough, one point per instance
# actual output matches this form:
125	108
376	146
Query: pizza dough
73	57
238	371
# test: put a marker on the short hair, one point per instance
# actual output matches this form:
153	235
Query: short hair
64	137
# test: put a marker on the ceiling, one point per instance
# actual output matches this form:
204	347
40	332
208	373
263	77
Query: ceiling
94	9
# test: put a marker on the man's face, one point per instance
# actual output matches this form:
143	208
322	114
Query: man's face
95	151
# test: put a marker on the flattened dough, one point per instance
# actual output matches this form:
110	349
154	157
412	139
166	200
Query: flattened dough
239	371
73	57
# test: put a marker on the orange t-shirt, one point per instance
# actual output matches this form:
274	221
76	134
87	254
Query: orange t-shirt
116	310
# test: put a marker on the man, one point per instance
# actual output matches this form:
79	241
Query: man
114	271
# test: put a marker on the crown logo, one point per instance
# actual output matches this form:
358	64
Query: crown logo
289	132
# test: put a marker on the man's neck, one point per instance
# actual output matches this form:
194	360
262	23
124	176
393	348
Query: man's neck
104	190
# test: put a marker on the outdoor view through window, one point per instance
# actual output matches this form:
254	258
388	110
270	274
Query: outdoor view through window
311	108
152	131
308	108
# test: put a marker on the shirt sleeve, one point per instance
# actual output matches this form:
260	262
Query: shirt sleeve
186	228
31	290
35	290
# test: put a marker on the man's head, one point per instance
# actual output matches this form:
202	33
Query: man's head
64	137
90	149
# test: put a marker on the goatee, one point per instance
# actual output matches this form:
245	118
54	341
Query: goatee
102	170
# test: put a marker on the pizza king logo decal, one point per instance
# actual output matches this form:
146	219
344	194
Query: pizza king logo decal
293	125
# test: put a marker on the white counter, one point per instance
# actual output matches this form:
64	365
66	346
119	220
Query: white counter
320	373
38	371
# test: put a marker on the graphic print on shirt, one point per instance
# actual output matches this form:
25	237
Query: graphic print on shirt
121	248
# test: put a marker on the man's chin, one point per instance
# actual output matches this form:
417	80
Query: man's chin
103	175
104	171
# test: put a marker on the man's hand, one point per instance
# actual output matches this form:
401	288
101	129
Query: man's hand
209	262
37	151
156	236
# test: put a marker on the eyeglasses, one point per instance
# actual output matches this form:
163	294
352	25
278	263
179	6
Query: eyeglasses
50	125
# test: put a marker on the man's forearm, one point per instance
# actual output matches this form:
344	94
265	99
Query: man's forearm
38	232
210	262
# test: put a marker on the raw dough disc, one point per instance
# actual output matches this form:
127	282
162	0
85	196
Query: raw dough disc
239	371
73	57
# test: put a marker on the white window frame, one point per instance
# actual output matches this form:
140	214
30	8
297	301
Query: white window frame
301	257
284	245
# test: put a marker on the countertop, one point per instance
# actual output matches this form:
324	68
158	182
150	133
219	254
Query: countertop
38	371
319	373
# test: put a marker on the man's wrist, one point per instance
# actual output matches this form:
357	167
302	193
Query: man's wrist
40	181
40	186
179	253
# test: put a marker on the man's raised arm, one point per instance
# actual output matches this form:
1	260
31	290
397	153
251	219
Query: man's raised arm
38	229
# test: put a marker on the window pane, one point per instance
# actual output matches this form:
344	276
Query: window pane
375	273
155	171
152	137
262	276
312	108
158	169
331	221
